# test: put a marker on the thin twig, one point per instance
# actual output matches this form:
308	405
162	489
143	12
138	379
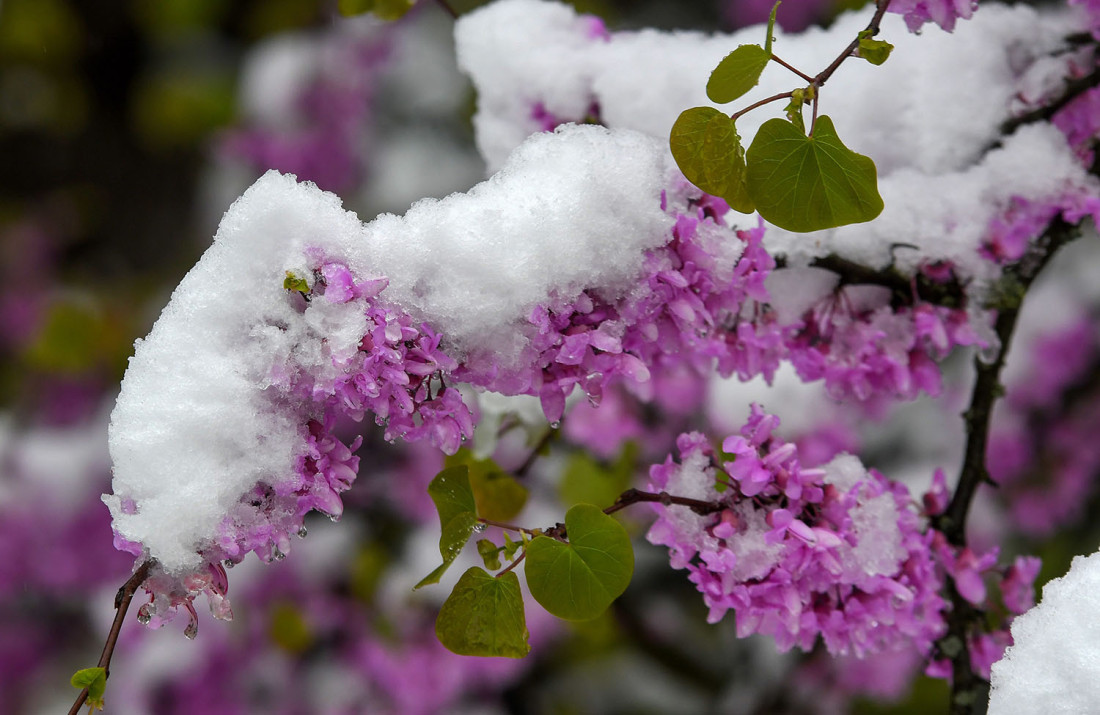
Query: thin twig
872	26
512	565
967	687
761	103
792	68
122	604
635	496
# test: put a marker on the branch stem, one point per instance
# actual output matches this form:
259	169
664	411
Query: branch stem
122	605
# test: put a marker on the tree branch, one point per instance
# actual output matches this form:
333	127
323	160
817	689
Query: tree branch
122	604
967	687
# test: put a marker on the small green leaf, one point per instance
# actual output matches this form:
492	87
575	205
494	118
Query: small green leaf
578	580
737	73
454	500
490	553
95	680
707	148
805	183
484	616
498	496
793	110
511	547
384	9
771	28
874	51
295	282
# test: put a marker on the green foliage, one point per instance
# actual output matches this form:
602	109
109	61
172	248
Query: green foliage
771	28
587	481
490	553
484	616
454	500
384	9
708	150
497	495
874	51
295	282
578	580
803	183
95	680
737	73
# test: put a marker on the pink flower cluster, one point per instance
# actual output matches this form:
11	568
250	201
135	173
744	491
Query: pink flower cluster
800	553
685	311
1011	233
862	347
970	571
942	12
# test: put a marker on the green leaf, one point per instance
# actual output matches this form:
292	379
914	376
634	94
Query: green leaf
384	9
874	51
497	495
578	580
490	553
511	547
737	73
805	183
295	282
793	110
454	500
771	28
484	616
95	680
706	146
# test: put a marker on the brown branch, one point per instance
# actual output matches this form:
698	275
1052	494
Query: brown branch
873	27
950	294
967	687
521	470
797	71
1073	89
635	496
122	604
761	103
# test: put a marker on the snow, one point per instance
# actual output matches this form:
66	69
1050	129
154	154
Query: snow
930	116
195	426
1052	666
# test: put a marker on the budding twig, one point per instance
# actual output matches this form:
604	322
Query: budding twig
122	604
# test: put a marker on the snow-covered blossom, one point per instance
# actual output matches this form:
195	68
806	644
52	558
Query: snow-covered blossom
799	553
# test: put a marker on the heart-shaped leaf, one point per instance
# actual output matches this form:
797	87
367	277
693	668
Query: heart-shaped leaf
578	580
737	73
95	680
454	500
805	183
706	146
484	616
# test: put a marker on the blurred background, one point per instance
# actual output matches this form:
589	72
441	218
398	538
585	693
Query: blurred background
126	129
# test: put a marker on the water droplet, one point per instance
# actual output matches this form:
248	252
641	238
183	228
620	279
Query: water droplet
479	528
555	424
334	518
191	631
302	532
144	614
229	563
277	555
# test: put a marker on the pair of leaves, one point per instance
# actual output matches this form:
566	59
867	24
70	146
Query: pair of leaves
466	489
576	581
797	182
95	680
